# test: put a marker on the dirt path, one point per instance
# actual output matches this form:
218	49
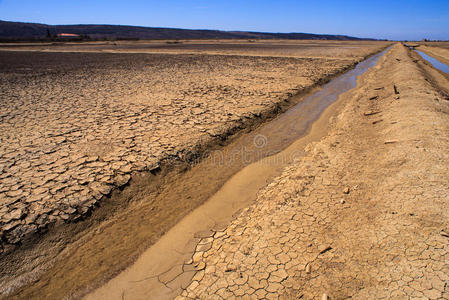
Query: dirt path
364	214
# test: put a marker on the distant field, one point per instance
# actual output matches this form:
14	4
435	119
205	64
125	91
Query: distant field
306	48
436	44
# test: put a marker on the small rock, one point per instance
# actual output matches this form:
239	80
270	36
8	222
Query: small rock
323	249
324	297
444	234
342	201
371	113
308	268
346	191
390	142
396	90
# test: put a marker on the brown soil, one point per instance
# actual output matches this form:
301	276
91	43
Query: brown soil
110	128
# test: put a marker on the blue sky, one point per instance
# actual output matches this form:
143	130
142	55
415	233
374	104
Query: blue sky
401	19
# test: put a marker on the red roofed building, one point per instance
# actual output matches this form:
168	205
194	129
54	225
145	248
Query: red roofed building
67	35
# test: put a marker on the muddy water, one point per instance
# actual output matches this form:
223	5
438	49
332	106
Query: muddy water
435	62
159	272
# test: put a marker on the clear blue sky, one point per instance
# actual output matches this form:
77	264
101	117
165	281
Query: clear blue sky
401	19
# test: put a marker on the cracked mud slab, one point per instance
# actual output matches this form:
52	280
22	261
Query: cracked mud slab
363	215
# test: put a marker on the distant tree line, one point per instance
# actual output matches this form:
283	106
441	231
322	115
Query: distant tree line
426	40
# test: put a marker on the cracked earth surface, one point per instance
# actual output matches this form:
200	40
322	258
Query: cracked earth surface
364	214
74	126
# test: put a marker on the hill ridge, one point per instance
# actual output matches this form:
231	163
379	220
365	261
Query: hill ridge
27	31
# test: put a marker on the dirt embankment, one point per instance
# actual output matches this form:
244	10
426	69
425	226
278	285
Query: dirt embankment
364	214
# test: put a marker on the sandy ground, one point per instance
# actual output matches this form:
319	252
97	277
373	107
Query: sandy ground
76	126
363	215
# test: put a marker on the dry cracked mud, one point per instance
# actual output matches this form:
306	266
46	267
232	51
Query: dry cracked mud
363	215
75	126
72	133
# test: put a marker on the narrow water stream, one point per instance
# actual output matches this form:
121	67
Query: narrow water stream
296	121
435	62
261	155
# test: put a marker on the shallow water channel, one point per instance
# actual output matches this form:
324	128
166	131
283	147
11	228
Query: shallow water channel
435	62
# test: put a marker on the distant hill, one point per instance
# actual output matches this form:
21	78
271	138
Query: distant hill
35	31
